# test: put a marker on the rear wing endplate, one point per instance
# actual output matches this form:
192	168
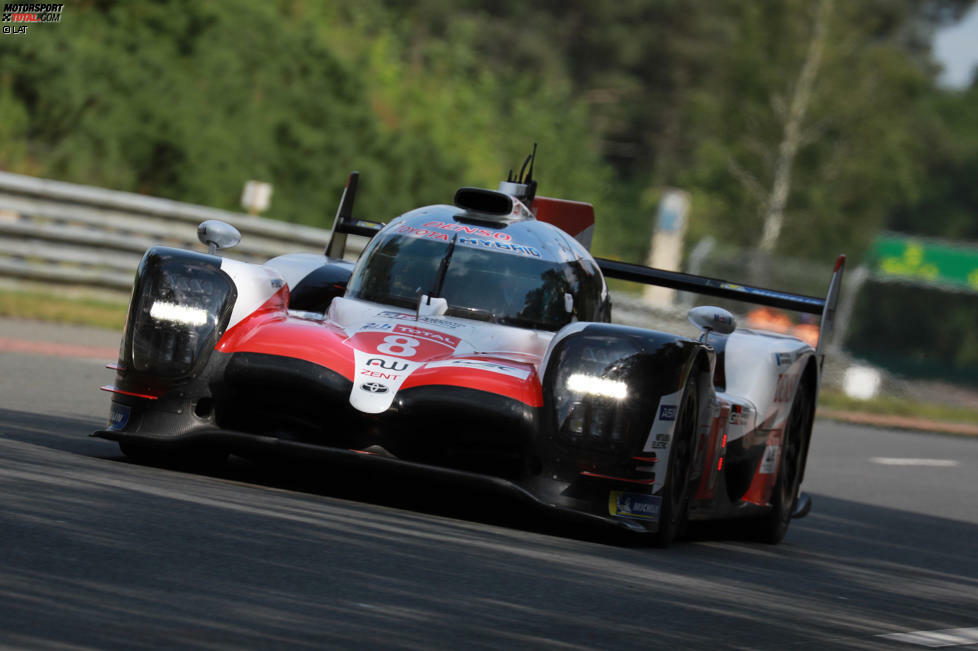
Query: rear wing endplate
824	307
345	224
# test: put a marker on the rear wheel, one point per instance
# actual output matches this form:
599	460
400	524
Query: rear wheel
675	494
772	527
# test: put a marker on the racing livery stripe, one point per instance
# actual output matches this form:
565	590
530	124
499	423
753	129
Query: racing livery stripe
271	332
527	390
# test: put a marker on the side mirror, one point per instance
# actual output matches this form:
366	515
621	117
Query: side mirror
712	319
216	235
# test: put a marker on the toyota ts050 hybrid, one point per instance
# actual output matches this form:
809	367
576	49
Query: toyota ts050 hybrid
474	339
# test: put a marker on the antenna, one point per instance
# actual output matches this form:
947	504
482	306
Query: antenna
523	169
533	158
523	187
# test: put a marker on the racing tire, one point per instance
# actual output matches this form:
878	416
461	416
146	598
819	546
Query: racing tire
675	494
772	527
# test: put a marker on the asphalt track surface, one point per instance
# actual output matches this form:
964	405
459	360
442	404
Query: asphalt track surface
97	552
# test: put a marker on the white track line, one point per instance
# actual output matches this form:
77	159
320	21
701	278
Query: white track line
935	639
902	461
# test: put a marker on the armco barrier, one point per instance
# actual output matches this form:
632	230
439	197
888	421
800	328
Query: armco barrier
58	233
67	234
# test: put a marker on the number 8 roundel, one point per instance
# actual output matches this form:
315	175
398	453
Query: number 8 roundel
401	345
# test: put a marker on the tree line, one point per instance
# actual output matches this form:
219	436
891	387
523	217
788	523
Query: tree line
801	127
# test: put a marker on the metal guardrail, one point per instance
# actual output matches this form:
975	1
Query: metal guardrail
65	234
60	233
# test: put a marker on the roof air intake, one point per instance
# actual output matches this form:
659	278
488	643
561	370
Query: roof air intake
487	202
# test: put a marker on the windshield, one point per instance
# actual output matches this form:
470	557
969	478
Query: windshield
506	288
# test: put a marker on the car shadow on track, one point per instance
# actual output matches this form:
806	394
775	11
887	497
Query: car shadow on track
414	491
394	488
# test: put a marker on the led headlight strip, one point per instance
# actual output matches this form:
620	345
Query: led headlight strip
182	314
596	386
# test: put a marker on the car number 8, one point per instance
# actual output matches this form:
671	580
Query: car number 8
400	346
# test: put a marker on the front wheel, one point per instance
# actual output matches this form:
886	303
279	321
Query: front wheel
675	494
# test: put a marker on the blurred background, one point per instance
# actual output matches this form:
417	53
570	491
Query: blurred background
753	141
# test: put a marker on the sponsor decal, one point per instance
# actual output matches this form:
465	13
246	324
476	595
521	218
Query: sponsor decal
519	249
741	421
441	323
388	364
431	335
634	505
377	326
473	241
118	416
782	391
397	343
374	387
423	232
483	365
770	461
380	375
659	439
785	359
470	230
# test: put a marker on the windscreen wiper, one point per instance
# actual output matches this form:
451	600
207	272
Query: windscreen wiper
443	268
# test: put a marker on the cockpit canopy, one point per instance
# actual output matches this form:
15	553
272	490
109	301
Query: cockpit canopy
517	274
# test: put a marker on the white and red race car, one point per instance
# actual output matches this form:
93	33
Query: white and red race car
474	338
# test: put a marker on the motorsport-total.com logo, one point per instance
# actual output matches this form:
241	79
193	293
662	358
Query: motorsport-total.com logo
25	14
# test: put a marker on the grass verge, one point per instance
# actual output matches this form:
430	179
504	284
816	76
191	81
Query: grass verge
61	309
110	314
893	406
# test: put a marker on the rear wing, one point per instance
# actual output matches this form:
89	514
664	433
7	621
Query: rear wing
345	224
824	307
575	218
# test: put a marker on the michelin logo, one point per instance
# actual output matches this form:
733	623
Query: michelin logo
118	417
634	505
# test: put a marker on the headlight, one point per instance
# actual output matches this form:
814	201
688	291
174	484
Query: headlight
597	386
180	306
593	401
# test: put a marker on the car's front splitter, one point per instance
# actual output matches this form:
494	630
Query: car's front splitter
538	493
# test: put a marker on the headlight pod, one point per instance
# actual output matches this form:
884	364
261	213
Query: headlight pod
593	397
603	385
181	304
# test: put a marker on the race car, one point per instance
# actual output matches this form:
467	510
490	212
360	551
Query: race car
474	339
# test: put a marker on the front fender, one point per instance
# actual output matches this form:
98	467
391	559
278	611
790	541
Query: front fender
604	385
